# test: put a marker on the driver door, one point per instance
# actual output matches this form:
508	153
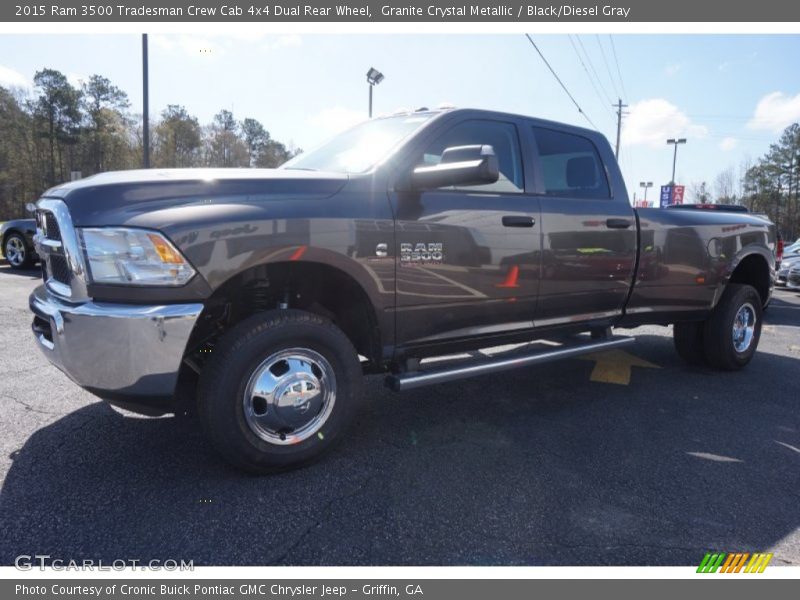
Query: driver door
467	258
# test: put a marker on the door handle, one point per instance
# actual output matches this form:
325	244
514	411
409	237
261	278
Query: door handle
618	223
518	221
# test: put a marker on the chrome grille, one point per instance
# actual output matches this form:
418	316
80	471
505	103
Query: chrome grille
51	228
57	246
59	268
47	224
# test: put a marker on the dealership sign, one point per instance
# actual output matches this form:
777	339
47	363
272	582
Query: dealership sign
672	194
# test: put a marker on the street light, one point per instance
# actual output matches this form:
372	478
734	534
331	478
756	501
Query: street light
374	77
675	155
645	185
145	105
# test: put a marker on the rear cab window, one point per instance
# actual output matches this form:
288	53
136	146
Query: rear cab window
571	166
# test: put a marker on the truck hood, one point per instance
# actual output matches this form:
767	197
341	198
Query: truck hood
152	197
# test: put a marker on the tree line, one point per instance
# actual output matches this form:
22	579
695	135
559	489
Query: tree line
769	185
56	131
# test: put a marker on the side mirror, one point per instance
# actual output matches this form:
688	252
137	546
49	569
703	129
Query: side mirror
460	165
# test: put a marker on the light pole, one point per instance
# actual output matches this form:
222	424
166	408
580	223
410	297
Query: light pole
675	155
145	105
645	185
374	77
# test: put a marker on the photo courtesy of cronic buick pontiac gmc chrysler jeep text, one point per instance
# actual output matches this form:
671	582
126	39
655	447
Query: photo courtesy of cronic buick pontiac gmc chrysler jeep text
262	297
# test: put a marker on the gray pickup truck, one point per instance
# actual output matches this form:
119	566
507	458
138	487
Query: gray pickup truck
262	297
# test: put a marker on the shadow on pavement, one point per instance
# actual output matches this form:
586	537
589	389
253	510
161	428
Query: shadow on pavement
541	466
5	269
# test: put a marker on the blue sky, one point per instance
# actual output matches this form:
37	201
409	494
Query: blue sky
730	95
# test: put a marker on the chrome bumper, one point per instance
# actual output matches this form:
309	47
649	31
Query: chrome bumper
114	350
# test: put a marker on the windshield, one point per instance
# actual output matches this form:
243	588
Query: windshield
361	147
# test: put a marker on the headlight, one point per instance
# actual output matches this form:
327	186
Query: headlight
133	257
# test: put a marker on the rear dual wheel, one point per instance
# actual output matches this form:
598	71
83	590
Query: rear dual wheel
728	339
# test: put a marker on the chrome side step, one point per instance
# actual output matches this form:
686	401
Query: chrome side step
415	379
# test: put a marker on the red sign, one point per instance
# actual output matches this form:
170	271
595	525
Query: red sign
677	194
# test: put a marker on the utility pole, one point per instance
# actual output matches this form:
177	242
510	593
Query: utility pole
619	106
146	105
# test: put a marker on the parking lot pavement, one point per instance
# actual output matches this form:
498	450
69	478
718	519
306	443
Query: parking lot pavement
540	466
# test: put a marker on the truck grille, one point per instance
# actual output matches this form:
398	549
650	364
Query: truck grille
52	230
55	266
59	268
47	223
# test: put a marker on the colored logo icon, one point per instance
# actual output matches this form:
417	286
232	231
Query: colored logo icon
734	562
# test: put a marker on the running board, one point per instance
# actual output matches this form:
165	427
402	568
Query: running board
415	379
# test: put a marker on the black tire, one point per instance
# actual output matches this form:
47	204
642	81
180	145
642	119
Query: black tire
239	355
26	260
718	334
688	338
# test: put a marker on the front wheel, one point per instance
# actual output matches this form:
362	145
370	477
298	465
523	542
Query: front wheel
16	251
280	388
732	332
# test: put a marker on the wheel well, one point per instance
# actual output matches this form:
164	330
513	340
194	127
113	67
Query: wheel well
314	287
753	270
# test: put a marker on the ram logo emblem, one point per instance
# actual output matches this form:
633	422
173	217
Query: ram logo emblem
421	254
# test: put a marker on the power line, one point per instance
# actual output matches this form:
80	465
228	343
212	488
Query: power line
591	66
588	75
608	69
561	83
619	71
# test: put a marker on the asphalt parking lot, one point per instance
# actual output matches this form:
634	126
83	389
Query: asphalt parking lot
542	466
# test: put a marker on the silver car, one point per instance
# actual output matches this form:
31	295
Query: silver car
793	277
786	265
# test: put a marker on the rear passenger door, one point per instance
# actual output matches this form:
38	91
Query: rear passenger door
588	233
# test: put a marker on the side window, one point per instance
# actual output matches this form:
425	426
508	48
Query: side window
571	166
501	136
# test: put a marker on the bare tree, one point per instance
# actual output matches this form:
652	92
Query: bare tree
724	186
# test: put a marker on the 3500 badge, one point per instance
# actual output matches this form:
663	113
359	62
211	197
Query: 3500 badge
421	254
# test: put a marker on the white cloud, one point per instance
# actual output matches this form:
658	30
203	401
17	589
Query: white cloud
11	78
672	70
776	111
729	143
651	122
331	121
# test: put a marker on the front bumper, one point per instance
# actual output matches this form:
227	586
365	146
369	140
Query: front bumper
121	352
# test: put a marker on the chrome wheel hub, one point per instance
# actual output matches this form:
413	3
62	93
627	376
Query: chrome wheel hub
15	251
744	327
289	396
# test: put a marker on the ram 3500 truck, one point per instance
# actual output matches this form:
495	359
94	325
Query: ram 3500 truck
264	296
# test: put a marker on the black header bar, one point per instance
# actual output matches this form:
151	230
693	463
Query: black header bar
414	11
